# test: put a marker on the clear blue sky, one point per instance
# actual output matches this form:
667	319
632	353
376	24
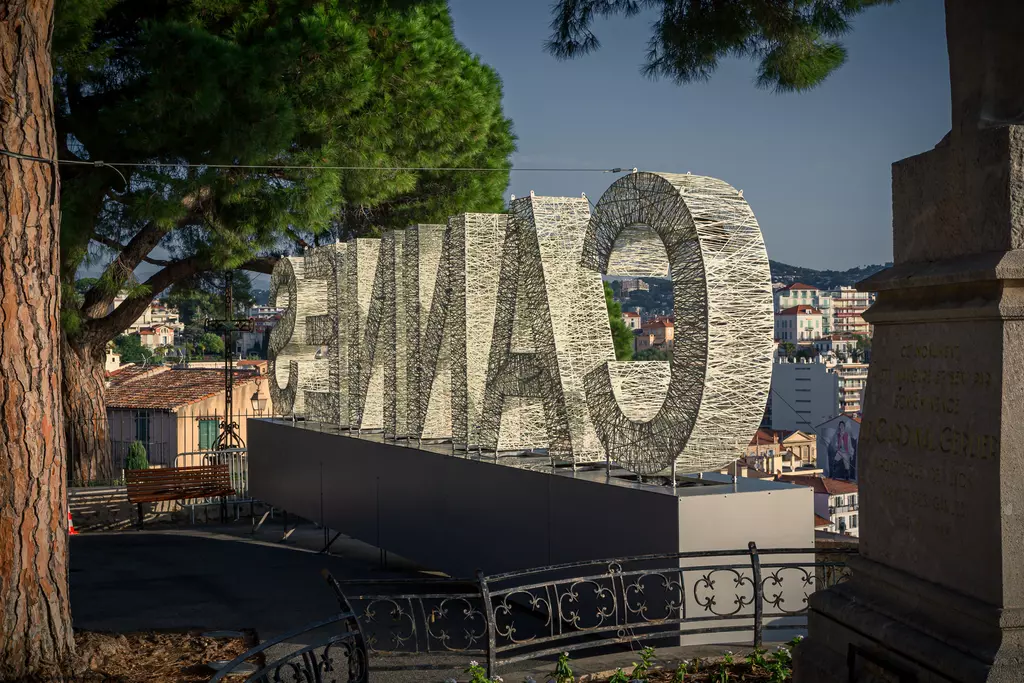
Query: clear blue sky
815	166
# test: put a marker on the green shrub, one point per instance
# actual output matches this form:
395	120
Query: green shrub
563	672
136	459
619	677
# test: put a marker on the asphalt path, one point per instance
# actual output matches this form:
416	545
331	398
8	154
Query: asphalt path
211	580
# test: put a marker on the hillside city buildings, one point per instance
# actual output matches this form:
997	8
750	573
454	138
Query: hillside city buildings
840	309
821	367
156	314
160	327
654	333
633	285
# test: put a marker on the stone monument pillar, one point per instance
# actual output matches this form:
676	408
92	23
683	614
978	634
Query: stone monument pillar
937	593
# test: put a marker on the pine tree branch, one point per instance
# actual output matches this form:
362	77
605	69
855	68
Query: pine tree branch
295	236
261	264
120	269
117	246
103	329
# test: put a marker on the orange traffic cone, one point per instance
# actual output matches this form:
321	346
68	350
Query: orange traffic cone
71	526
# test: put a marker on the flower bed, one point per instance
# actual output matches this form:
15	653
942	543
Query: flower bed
761	666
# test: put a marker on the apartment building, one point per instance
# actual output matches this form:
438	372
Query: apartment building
804	393
798	324
799	294
848	306
852	379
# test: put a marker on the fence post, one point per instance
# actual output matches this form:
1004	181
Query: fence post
755	565
485	595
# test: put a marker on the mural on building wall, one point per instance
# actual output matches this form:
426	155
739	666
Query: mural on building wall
837	447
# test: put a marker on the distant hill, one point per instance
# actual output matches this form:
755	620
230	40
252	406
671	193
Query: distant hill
822	279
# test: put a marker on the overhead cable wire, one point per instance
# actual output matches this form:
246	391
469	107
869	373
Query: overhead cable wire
311	167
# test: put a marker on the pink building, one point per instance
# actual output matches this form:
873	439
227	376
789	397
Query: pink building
156	336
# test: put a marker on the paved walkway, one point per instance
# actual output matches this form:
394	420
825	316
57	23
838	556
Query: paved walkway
135	580
224	578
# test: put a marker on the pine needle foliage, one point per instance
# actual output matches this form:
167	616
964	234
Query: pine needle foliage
261	82
622	336
796	42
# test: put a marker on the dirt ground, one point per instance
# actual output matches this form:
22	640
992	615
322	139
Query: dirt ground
153	657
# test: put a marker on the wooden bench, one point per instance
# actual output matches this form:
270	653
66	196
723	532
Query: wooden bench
179	483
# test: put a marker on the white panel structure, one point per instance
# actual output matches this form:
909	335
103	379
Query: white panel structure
720	371
473	252
366	285
429	388
293	365
551	329
392	340
492	331
326	393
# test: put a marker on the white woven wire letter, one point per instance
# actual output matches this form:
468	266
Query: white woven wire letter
721	363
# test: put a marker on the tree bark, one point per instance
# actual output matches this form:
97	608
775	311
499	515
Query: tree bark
35	616
85	414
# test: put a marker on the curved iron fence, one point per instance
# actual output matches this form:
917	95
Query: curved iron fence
515	616
332	649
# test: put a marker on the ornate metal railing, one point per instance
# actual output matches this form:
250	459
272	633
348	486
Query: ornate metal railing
332	649
511	617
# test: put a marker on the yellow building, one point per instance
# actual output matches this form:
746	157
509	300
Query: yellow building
176	413
777	451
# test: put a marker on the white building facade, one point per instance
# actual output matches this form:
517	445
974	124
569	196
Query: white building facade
632	320
804	394
799	294
853	378
801	323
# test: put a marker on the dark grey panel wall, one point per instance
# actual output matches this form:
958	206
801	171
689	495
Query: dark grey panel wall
450	513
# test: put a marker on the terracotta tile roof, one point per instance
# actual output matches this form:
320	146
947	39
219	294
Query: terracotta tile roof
764	436
630	314
799	285
820	484
169	389
659	323
802	309
129	372
820	521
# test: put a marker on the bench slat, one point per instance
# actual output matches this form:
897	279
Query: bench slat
178	483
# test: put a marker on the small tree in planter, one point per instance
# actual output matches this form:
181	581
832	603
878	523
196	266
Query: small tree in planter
136	459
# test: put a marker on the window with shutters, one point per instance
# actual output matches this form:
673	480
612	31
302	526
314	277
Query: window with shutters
208	430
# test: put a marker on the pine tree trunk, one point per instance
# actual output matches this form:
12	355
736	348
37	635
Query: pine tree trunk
85	415
35	615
